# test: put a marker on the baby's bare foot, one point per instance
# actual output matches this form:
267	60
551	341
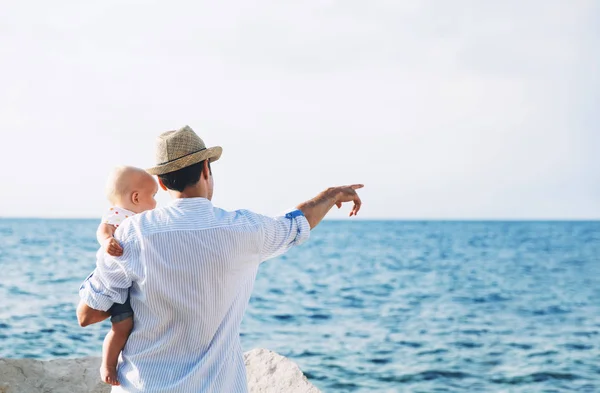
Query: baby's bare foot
109	375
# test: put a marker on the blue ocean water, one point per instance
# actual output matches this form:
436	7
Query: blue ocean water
365	306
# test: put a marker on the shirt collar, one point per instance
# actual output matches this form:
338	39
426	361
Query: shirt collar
190	202
122	211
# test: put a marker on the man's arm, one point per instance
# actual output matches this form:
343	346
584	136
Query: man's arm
87	315
315	209
282	233
108	284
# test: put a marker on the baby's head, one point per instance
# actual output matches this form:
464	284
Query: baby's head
132	189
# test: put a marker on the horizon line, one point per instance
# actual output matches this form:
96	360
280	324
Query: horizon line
405	219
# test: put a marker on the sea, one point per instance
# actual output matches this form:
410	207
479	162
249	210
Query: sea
364	306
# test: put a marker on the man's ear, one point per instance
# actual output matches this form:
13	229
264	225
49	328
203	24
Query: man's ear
206	170
135	197
160	183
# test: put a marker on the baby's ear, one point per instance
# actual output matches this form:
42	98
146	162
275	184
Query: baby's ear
135	197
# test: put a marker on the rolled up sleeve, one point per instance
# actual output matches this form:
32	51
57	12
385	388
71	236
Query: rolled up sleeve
109	283
282	233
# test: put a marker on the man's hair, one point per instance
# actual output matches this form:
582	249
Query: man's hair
183	177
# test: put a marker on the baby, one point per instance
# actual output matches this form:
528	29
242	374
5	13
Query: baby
130	191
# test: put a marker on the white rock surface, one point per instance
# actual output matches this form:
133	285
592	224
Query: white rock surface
52	376
267	372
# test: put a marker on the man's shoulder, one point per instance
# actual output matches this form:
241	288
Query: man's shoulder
165	220
236	217
134	226
126	231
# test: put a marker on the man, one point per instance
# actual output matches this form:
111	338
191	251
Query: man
189	269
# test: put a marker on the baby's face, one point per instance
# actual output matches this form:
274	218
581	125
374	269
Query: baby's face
147	189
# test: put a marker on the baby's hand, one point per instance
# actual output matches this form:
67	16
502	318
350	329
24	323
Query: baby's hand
112	247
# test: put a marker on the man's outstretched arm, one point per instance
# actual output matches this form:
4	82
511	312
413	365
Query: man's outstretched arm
315	209
282	233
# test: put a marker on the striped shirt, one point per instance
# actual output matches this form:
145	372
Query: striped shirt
190	269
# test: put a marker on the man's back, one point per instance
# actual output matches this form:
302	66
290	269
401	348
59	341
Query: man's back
192	269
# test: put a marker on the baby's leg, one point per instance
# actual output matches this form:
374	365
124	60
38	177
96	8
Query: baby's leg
113	345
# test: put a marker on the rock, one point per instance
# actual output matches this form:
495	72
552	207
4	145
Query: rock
51	376
267	372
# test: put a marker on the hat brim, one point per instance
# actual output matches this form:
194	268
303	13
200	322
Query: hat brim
212	154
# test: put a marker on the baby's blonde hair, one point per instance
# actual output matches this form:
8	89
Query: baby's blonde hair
119	183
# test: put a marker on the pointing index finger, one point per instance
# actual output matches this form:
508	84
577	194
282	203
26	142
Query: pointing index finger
357	186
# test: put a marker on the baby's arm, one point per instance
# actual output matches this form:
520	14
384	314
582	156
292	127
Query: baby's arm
105	231
105	236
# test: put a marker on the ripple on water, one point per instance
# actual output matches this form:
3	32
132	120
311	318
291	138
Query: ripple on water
467	344
284	317
426	375
524	347
320	317
380	360
577	347
438	351
535	377
586	334
410	344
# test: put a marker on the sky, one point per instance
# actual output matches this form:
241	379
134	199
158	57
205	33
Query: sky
459	109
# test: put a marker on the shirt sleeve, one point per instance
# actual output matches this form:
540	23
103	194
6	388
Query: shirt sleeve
109	283
282	233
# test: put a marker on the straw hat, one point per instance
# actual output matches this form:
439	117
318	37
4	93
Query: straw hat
180	149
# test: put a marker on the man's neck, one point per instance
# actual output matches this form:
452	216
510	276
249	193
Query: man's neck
189	192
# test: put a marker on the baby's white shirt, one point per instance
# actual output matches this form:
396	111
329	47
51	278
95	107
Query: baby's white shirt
116	215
